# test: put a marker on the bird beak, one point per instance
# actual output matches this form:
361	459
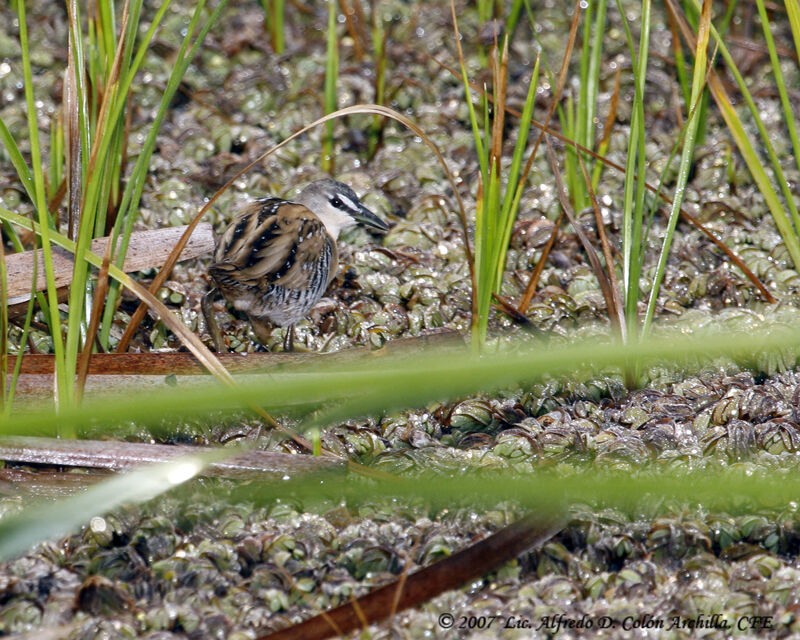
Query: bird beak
369	219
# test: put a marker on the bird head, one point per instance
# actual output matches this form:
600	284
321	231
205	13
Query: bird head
338	207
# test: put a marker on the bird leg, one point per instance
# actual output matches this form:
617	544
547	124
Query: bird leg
211	320
288	339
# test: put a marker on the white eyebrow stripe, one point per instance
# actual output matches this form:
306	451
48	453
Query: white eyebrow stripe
350	204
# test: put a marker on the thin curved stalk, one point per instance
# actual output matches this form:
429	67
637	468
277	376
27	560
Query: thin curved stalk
375	109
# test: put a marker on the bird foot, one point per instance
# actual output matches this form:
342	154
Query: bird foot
206	305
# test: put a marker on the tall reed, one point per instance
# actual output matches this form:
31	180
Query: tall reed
331	83
103	59
274	14
499	195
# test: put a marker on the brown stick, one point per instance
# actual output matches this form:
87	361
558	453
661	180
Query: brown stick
21	481
615	310
19	309
146	371
419	587
533	281
123	456
147	249
184	363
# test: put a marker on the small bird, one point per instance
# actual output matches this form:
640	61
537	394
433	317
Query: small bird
277	257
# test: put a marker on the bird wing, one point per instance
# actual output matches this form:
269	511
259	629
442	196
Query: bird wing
280	243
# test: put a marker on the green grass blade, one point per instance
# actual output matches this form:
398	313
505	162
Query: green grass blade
83	88
23	174
782	221
331	82
793	13
628	241
516	186
582	128
131	196
494	272
26	328
394	383
108	31
55	169
40	202
18	162
788	113
639	204
513	18
569	116
379	56
277	25
473	119
593	74
274	11
81	185
687	154
633	208
787	226
728	489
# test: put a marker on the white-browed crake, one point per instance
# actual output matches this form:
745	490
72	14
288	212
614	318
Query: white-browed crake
277	258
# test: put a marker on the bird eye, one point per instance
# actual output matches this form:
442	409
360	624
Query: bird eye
336	202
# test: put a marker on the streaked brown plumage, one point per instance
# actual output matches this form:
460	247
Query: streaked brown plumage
277	257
